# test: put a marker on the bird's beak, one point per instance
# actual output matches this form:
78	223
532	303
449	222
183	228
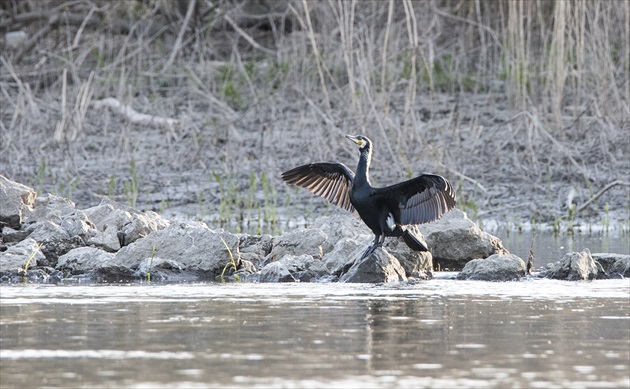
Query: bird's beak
353	138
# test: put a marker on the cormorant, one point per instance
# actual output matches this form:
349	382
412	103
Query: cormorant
390	211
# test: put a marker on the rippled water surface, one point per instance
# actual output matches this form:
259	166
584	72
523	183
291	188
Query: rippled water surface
438	333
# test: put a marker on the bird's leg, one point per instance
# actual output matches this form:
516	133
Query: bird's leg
378	241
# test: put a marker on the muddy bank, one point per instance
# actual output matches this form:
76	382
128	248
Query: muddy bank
194	118
49	239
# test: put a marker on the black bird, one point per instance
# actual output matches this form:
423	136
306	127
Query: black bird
390	211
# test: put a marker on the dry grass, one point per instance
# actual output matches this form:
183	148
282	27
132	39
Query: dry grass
519	101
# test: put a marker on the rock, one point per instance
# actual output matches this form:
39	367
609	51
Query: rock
454	240
106	239
51	208
37	276
10	235
254	248
161	269
16	256
574	266
54	239
84	260
340	226
276	272
114	274
497	267
293	268
15	200
614	265
246	272
55	222
193	245
380	266
301	241
304	268
120	225
15	39
77	224
342	256
417	264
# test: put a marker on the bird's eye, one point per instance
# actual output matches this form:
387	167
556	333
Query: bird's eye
360	142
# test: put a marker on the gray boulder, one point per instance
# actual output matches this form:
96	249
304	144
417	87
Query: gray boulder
614	265
254	248
61	212
160	269
292	268
343	255
10	235
378	267
114	274
350	237
574	266
193	245
51	208
246	272
339	226
15	39
15	200
498	267
55	240
309	241
55	222
84	260
119	225
77	224
304	268
17	256
276	272
417	264
454	240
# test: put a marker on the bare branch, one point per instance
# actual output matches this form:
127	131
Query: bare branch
600	193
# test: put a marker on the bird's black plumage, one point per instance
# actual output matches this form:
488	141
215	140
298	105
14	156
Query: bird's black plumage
389	211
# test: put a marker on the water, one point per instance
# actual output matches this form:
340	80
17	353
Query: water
550	248
440	333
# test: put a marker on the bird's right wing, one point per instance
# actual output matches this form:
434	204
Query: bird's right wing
331	181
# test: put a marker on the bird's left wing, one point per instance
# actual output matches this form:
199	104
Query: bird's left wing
331	181
422	199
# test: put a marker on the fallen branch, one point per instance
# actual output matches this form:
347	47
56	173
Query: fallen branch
132	115
600	193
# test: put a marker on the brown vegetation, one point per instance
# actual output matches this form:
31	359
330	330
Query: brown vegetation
523	105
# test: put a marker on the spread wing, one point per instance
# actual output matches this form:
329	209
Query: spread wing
420	200
331	181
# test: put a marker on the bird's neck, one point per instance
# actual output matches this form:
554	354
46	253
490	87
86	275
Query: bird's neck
363	169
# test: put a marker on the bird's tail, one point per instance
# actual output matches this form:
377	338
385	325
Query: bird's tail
414	240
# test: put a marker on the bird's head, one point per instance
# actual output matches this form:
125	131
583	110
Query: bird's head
363	142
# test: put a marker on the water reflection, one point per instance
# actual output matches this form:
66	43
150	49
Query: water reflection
550	248
440	333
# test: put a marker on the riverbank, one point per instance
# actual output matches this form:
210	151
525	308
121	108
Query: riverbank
193	113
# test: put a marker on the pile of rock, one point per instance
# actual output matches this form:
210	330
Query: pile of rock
47	239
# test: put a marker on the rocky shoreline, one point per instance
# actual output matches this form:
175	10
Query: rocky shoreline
46	239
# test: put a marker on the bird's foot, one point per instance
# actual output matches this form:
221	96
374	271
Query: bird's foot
370	250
